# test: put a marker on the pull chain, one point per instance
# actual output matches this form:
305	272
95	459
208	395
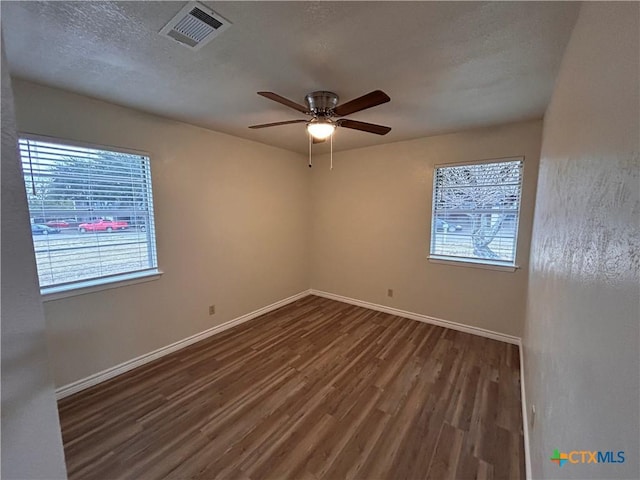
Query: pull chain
331	141
310	140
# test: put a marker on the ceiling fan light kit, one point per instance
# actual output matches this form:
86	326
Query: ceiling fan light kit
321	129
322	106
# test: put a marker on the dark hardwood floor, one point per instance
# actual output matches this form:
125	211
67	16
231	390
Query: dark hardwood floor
316	389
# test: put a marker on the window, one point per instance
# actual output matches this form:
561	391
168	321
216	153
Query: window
91	214
475	212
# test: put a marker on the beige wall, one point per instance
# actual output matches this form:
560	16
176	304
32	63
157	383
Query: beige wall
371	226
242	225
232	223
31	440
582	328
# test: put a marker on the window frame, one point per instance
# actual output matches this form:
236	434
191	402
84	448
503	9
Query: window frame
470	261
105	282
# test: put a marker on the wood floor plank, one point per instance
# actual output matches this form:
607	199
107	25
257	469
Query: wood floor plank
445	457
315	390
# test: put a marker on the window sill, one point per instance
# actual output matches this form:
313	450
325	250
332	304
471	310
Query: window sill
473	264
90	286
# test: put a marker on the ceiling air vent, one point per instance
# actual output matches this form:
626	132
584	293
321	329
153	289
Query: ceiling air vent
195	25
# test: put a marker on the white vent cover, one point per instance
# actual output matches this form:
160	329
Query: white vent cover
195	25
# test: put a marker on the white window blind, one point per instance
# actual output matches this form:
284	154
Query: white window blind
91	212
476	210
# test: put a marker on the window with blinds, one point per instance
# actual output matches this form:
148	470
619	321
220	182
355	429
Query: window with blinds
476	208
91	213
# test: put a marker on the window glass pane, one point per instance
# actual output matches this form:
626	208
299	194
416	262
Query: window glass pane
91	211
475	212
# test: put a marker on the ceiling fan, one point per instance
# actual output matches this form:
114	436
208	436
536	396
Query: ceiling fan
322	107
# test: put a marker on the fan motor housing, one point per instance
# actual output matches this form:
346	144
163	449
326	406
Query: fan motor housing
321	102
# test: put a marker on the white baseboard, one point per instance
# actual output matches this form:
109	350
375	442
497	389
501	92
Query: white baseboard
421	318
525	417
109	373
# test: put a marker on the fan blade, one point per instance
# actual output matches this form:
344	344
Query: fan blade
372	99
317	140
288	122
365	127
284	101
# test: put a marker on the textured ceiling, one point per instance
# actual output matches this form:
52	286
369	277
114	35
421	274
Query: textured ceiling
446	65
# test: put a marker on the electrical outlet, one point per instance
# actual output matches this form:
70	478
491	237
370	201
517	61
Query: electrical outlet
212	309
390	292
